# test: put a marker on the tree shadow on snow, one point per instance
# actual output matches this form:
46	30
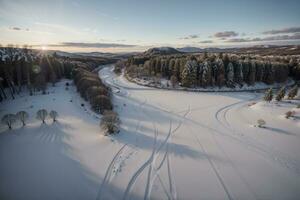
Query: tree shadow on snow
38	163
278	130
142	141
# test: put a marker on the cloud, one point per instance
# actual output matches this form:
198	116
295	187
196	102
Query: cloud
18	29
206	41
91	45
285	30
189	37
238	40
295	36
225	34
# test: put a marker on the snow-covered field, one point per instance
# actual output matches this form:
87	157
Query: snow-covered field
172	145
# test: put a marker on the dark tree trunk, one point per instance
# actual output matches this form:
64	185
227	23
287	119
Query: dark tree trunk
19	76
2	90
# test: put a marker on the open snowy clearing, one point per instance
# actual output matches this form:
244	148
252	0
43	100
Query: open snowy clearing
172	145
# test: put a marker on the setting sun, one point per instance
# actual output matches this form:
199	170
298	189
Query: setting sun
44	48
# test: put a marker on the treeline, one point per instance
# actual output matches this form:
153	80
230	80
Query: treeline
204	70
31	70
24	69
92	89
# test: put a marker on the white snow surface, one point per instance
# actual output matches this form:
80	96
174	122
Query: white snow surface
172	145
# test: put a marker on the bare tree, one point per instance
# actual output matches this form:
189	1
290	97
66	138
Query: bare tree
100	103
53	114
22	116
41	115
110	122
8	119
261	123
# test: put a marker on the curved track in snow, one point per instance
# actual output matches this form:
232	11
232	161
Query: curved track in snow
161	173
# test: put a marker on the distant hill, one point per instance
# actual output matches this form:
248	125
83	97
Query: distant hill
94	54
270	50
190	49
161	51
258	49
201	50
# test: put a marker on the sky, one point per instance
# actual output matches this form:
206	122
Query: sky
136	25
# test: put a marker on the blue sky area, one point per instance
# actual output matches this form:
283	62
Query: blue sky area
133	25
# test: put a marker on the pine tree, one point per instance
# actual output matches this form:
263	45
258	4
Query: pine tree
189	73
269	74
199	73
214	74
239	73
221	73
226	61
205	75
19	73
293	92
251	76
260	68
268	95
246	70
205	55
157	66
177	70
280	95
230	75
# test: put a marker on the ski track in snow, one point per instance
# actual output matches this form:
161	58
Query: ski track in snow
118	155
262	149
160	138
151	161
166	155
109	172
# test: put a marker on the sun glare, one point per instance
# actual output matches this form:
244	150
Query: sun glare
44	48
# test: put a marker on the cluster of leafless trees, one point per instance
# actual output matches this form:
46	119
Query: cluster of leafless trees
22	116
202	70
93	90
